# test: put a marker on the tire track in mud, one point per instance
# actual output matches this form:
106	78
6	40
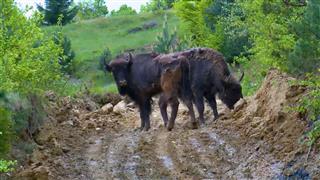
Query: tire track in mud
121	157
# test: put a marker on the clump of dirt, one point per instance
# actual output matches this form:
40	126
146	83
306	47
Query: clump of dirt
106	98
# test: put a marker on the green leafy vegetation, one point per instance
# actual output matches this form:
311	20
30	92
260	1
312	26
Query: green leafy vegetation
28	68
157	5
305	56
310	105
26	55
124	10
6	166
89	9
66	58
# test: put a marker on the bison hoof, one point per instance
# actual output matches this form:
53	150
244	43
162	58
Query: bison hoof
170	127
146	128
194	125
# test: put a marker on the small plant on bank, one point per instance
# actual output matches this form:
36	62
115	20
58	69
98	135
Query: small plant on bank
310	105
7	166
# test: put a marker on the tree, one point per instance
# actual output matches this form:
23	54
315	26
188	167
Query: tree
156	5
67	56
92	9
55	8
124	10
305	56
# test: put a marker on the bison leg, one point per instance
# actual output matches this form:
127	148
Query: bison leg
174	110
163	109
145	110
213	104
189	105
200	107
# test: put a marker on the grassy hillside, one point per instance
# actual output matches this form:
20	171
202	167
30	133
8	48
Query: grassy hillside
89	39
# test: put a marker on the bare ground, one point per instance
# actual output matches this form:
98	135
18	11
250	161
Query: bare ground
258	140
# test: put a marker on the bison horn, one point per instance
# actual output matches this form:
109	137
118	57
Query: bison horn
129	57
242	74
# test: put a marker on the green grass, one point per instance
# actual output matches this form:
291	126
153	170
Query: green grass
89	39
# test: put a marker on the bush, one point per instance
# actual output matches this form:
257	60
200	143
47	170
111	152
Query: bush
6	166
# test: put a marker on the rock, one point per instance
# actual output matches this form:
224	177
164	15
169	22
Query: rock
39	173
131	105
107	108
134	30
120	107
89	125
69	122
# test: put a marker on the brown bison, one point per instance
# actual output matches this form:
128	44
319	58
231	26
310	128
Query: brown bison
175	84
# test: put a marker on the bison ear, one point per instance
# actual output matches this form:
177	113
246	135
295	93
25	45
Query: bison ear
167	70
108	67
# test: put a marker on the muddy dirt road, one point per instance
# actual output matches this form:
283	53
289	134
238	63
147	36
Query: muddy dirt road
258	140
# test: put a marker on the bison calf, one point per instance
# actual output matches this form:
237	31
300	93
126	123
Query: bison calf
174	84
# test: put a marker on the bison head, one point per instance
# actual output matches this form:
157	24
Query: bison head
232	91
120	68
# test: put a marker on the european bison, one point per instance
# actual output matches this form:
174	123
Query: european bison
140	78
209	75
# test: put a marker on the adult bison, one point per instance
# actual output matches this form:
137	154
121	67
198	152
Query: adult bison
139	77
209	75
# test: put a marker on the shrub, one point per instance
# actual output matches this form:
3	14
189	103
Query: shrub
6	166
